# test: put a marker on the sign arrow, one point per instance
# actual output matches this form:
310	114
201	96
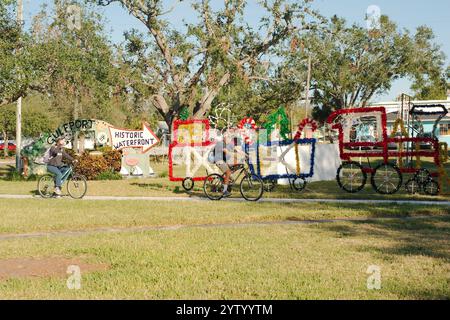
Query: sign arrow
124	138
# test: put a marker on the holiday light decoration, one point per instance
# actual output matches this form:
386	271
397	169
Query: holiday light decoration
248	129
286	146
378	148
190	147
281	119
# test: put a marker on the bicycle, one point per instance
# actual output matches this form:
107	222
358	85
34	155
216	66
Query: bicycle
76	184
251	185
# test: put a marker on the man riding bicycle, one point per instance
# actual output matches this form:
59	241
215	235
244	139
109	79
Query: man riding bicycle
223	154
55	163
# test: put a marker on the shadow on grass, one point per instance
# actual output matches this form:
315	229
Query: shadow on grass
422	237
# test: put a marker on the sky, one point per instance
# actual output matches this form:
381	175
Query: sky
407	14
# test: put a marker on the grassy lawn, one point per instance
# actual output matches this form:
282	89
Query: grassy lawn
214	261
320	261
53	215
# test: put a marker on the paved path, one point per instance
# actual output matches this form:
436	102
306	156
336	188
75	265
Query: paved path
273	200
211	225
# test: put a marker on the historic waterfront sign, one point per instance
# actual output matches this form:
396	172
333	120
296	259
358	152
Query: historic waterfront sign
124	138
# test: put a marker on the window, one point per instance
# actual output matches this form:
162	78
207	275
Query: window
444	129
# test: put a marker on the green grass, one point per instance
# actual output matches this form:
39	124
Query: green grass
322	261
207	260
52	215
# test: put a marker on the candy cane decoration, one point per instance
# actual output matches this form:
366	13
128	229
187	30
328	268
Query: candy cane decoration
247	124
303	124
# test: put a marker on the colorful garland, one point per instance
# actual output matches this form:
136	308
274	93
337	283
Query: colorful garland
246	125
385	153
184	113
399	124
347	156
278	117
176	144
257	170
178	123
302	125
414	112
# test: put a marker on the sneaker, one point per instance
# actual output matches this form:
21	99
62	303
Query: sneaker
226	194
58	191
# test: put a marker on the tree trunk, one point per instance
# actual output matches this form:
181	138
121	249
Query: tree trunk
75	117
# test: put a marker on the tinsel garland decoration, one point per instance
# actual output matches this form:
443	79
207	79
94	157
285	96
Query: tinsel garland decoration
347	155
443	149
175	143
435	151
257	170
418	110
443	176
278	117
399	127
178	123
184	114
246	125
302	125
399	123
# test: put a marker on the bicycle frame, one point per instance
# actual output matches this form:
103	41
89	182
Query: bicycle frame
67	174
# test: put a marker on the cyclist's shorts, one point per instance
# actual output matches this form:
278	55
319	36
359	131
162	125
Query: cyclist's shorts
222	166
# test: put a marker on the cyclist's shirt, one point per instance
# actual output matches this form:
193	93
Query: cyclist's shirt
219	152
57	154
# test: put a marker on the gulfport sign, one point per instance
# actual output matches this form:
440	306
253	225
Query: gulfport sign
123	138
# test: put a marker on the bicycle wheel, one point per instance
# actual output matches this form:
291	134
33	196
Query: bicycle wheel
412	186
213	186
77	186
188	184
431	188
269	184
46	186
386	179
299	184
252	187
422	176
351	177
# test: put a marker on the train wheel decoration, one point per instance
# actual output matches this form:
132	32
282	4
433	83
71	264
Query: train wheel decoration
188	184
386	179
351	177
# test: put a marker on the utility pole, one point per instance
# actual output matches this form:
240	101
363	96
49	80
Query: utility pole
19	101
308	80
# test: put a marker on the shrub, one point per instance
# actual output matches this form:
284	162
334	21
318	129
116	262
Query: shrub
113	159
109	175
102	167
13	175
91	166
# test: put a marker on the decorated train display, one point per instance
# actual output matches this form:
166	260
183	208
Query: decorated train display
362	138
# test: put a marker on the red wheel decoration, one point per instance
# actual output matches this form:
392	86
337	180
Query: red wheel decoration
303	124
247	124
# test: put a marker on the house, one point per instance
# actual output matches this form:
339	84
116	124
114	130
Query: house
393	108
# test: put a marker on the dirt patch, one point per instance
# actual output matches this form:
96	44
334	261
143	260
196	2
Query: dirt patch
43	267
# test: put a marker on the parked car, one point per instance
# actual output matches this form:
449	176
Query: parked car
11	146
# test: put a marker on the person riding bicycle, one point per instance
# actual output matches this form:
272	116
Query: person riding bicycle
55	163
223	154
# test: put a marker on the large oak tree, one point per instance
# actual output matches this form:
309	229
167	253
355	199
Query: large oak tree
189	66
